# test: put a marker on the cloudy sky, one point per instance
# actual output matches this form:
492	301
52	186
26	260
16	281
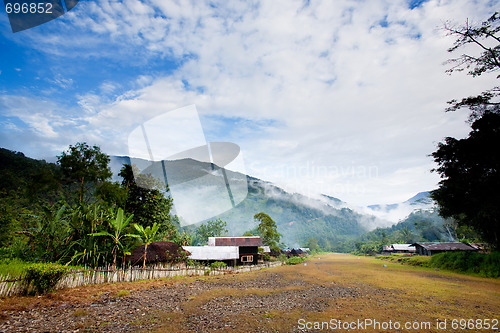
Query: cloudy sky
338	97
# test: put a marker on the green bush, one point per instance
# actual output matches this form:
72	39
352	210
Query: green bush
218	264
43	276
295	260
487	265
421	261
282	258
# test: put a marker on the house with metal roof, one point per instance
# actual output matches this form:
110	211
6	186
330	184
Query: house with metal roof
428	249
232	250
403	248
398	248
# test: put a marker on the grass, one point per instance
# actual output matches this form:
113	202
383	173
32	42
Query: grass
403	293
122	292
466	262
421	261
13	267
80	313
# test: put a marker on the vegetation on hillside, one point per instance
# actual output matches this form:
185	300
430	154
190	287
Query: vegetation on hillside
70	212
419	226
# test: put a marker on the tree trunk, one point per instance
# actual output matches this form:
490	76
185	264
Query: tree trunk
115	252
145	252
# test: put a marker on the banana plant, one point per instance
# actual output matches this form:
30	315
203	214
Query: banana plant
147	234
117	226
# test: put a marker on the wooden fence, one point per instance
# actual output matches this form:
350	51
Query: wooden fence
83	277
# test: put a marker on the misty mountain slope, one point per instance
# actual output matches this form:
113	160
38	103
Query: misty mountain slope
399	211
298	217
193	185
419	226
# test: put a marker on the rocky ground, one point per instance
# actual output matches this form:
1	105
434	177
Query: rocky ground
334	287
144	310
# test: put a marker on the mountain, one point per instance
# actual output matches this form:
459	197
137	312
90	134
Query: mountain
398	211
194	186
203	191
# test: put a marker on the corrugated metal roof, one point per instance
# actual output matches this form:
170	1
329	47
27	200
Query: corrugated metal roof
235	241
454	246
403	247
213	252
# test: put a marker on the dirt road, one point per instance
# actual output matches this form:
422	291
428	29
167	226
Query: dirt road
336	292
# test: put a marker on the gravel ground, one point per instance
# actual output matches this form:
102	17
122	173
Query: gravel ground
144	310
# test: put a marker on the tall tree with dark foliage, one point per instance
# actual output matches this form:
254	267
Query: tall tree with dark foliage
470	167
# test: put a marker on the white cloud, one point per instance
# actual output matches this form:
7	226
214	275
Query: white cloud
340	85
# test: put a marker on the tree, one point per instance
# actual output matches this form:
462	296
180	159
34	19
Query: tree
84	165
312	244
146	201
268	230
215	228
486	38
117	225
470	167
147	235
405	235
470	171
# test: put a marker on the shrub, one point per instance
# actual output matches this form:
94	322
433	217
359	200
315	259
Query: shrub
282	258
43	276
295	260
191	262
218	264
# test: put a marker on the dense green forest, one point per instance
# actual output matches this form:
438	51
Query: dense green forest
70	211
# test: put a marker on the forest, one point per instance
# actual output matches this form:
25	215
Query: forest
70	212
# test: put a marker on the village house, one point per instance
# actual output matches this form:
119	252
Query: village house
398	248
231	250
429	249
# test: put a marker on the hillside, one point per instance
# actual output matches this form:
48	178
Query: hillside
194	186
298	217
200	190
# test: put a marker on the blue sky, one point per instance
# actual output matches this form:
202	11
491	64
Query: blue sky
308	90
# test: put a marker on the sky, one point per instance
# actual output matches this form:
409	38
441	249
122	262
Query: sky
344	97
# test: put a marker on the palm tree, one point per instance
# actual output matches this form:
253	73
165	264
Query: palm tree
117	224
147	234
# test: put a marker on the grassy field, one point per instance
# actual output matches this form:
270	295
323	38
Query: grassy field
330	291
425	299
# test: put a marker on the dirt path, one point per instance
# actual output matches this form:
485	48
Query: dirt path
332	290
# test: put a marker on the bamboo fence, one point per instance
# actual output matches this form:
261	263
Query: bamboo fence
77	277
